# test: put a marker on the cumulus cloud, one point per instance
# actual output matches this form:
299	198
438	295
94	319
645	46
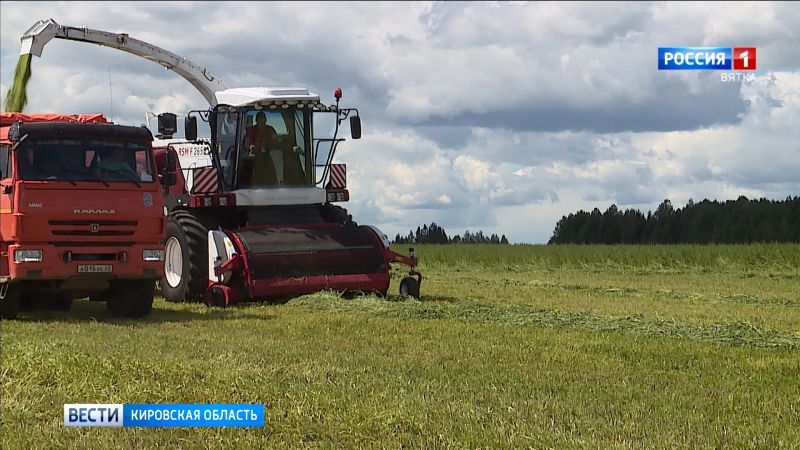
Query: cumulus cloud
496	115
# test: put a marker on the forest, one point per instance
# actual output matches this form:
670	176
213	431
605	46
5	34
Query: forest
434	234
730	222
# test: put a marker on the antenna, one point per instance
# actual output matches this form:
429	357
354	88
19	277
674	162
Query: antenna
110	97
148	114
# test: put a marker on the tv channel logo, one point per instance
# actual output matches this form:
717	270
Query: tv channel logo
744	58
706	58
93	415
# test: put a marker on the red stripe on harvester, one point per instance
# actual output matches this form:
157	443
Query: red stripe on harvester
206	186
204	177
205	180
200	182
338	176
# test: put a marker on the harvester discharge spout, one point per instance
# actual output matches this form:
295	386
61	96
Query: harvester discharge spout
44	31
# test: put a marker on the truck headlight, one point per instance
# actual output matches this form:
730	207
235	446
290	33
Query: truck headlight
153	255
25	256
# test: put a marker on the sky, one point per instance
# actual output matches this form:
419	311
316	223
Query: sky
499	116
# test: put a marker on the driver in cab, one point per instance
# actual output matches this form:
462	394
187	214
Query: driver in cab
275	164
37	165
114	161
257	139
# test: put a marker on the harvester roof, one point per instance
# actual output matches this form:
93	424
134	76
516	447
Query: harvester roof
260	95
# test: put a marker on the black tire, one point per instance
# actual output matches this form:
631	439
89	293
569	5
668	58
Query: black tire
57	302
28	302
131	298
217	298
9	304
336	214
100	297
192	236
409	287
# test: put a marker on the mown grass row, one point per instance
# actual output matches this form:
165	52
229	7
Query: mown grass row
783	258
737	333
675	293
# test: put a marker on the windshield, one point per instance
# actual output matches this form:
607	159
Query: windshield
84	160
275	149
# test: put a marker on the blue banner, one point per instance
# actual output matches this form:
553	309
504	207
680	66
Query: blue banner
193	415
695	58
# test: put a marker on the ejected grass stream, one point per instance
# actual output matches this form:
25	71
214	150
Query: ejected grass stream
17	96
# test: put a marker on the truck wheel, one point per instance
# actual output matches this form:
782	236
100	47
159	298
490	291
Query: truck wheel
101	297
131	298
57	302
9	301
185	259
28	302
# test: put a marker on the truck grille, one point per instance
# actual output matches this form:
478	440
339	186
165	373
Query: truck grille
94	257
93	233
92	227
92	244
119	223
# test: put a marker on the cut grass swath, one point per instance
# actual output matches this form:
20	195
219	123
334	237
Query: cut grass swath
739	333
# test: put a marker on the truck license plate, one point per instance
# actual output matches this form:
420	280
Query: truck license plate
94	268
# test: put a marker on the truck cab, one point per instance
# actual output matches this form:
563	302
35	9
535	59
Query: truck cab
81	213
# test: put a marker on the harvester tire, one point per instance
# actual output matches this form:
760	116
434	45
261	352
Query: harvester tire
409	287
189	281
9	303
336	214
131	298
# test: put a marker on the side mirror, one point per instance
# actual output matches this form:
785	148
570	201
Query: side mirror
170	161
169	179
355	127
13	132
190	128
168	176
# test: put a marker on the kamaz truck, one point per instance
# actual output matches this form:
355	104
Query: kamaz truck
81	213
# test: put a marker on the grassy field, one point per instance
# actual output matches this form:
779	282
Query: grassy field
520	346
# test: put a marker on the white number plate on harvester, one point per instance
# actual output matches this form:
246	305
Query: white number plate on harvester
94	268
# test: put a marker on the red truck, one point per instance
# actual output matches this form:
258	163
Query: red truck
81	213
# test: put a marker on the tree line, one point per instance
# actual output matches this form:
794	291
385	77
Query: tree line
434	234
730	222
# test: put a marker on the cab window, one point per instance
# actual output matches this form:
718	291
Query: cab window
5	161
227	124
84	160
275	149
